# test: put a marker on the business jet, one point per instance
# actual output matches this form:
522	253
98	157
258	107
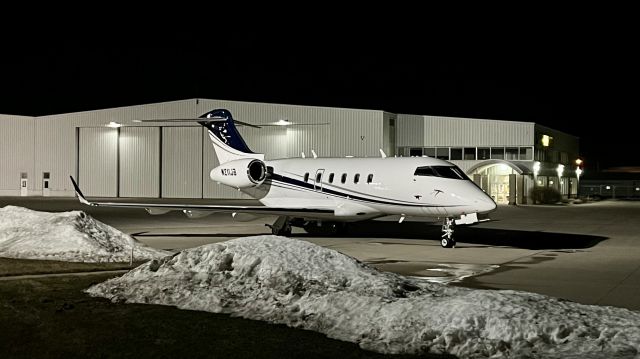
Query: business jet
322	195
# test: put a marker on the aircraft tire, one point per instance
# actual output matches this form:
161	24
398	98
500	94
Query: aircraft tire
447	242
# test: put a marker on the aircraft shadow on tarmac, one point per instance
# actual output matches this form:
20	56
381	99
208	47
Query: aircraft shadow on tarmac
535	240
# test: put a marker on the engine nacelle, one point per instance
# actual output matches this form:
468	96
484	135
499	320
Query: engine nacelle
244	173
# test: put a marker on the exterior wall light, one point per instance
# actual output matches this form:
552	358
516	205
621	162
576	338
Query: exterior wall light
114	124
560	170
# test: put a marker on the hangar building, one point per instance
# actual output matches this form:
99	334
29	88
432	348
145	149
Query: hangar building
113	154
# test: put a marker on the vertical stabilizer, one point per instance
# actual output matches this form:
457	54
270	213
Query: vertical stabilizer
226	140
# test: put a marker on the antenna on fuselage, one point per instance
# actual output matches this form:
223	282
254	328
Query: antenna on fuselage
314	154
303	156
384	155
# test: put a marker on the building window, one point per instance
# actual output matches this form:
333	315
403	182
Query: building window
415	152
370	178
526	153
306	177
497	153
442	153
330	177
511	153
344	178
564	157
429	151
356	178
484	153
470	153
456	153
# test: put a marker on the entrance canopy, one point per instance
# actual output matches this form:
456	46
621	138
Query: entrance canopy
519	168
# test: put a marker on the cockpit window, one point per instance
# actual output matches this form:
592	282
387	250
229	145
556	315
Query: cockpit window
441	171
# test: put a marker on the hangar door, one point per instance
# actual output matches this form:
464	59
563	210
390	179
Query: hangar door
98	161
139	162
182	162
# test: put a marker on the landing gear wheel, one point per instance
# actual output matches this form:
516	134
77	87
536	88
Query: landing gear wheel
447	240
447	243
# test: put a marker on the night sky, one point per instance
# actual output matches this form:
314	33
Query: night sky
564	81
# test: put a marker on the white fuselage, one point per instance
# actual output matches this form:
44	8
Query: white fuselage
385	186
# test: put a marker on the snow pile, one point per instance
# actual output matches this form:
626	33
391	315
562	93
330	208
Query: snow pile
68	236
297	283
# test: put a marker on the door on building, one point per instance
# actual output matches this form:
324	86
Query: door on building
494	180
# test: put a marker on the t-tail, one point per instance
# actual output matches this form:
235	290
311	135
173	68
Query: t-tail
227	142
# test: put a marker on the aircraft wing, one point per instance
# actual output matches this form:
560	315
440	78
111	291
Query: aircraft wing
202	207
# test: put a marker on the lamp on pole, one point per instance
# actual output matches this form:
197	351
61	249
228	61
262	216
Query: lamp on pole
536	170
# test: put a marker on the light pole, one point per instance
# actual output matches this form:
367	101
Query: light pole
578	173
560	170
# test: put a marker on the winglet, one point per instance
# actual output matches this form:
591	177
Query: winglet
79	193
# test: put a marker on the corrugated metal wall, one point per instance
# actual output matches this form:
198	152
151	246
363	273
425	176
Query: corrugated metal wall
56	148
16	153
409	130
182	162
139	162
420	131
98	162
454	131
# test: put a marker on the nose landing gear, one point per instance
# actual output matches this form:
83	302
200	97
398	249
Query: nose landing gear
447	240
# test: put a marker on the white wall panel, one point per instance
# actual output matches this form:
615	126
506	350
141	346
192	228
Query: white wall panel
455	131
98	165
55	136
139	162
16	153
409	130
182	162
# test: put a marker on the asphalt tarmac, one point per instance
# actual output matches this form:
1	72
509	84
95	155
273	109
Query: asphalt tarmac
587	253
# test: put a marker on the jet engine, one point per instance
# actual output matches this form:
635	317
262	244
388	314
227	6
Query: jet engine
244	173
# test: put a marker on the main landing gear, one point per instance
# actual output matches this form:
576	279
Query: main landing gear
281	227
447	240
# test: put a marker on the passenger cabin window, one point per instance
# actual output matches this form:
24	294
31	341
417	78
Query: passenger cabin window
370	178
306	177
318	177
356	178
344	178
441	171
330	177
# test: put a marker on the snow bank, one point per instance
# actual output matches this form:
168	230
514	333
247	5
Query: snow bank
69	236
300	284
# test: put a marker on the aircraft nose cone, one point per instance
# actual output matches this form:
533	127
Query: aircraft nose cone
485	204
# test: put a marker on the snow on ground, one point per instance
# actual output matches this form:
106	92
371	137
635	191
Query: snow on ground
68	236
300	284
